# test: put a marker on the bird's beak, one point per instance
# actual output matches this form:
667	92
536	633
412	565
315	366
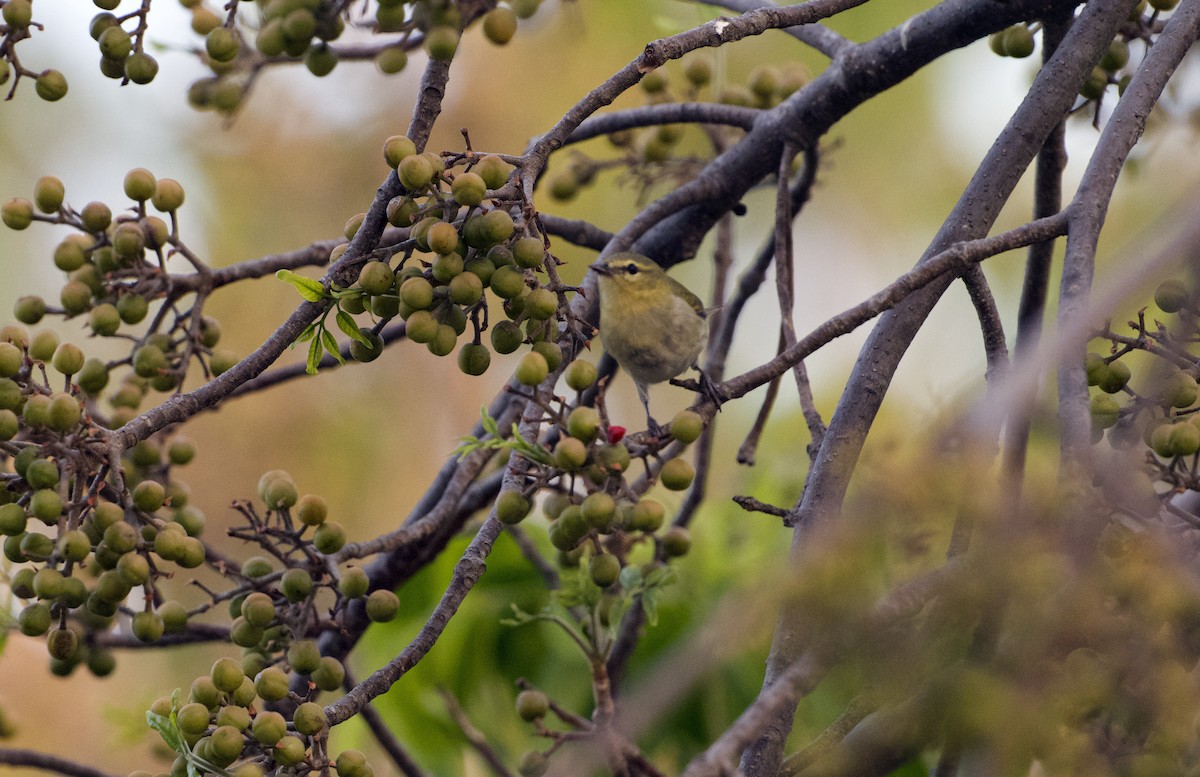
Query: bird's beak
600	268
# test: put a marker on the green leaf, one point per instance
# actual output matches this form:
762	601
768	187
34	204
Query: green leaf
347	325
489	424
650	606
331	345
310	289
309	332
314	356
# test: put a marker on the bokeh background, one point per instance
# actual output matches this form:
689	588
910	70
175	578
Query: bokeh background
303	156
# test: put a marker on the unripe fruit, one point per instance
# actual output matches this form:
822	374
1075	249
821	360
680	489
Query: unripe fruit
1184	439
441	42
416	293
139	184
570	454
1105	411
583	424
382	605
271	684
312	510
329	537
68	359
1115	378
46	505
192	718
51	85
17	213
329	675
466	288
580	375
303	656
34	620
604	569
532	764
686	426
367	353
506	337
352	763
227	674
376	278
48	194
508	282
532	704
296	584
132	308
474	358
677	474
512	507
258	609
1018	41
104	319
532	369
29	309
677	541
174	616
598	510
647	515
141	68
415	172
353	583
396	148
269	727
391	60
1171	296
309	718
468	189
149	496
550	352
147	626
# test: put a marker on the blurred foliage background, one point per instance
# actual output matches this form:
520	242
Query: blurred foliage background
303	156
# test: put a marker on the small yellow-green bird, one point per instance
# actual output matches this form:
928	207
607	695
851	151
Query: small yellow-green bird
651	323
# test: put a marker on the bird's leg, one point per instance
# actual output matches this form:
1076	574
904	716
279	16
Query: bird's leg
709	388
706	386
651	425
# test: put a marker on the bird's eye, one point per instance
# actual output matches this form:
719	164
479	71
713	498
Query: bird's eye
631	268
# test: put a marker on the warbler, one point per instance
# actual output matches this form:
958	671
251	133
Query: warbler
651	323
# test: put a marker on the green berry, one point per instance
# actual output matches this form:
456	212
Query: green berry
139	184
397	148
353	583
686	426
227	674
141	68
149	496
391	60
583	424
474	358
532	704
1115	377
296	584
382	605
512	507
329	537
269	727
271	684
312	510
303	656
147	626
580	375
48	194
415	172
168	195
17	213
604	569
376	278
499	25
192	718
309	718
329	675
468	189
532	369
441	42
51	85
677	540
677	474
1171	296
29	309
